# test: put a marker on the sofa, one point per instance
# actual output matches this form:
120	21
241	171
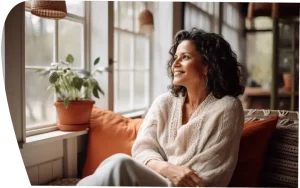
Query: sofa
275	164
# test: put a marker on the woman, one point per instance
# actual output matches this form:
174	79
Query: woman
191	135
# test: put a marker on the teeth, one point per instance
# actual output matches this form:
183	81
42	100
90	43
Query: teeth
177	73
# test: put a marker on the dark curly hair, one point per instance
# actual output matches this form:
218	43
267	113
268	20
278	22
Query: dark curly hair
224	74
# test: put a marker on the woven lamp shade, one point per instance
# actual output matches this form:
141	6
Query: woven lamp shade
282	10
146	23
49	9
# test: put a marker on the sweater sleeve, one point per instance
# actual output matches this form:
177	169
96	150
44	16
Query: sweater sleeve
146	146
217	161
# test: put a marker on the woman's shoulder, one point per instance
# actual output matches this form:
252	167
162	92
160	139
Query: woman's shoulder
228	103
165	98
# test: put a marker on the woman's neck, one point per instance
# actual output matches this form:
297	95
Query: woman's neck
195	96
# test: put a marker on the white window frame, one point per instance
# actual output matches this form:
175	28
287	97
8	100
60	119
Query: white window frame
197	6
85	20
133	70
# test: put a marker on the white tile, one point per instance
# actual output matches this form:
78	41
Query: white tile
57	169
33	175
45	173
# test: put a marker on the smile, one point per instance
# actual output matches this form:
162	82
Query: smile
178	73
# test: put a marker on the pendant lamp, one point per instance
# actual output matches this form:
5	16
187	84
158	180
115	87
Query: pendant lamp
49	9
146	23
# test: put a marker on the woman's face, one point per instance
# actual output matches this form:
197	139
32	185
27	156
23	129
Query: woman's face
188	68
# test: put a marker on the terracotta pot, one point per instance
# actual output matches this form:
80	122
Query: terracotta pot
77	113
287	80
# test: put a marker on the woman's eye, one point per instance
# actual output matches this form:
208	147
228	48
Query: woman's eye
185	57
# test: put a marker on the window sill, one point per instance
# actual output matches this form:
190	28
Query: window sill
52	136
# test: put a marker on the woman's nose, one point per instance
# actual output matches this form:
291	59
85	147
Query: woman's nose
176	63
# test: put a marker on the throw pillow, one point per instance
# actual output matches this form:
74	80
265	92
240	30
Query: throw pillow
109	133
253	146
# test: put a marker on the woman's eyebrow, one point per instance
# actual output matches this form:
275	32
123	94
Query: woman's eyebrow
182	53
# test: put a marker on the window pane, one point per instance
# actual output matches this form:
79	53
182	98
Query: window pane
259	57
139	89
75	7
116	42
124	92
39	104
285	61
141	52
116	14
285	36
116	90
232	37
260	23
126	15
70	41
126	47
38	40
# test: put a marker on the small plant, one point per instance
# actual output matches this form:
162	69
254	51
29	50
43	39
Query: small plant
70	85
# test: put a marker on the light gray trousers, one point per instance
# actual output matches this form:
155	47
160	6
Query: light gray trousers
123	170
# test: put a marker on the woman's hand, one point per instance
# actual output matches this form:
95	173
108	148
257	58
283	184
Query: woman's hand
180	176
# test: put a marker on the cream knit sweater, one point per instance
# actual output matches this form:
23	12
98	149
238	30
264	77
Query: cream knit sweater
208	142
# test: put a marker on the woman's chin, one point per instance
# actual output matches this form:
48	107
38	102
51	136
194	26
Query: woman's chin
177	83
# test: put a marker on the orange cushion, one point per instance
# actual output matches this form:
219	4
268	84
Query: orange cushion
109	133
253	146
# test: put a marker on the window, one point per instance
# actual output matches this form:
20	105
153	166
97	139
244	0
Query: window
132	57
199	15
47	41
259	51
232	27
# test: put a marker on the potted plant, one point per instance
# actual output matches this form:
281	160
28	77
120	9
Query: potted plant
73	91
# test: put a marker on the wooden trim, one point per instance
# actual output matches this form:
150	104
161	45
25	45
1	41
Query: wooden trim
274	10
258	30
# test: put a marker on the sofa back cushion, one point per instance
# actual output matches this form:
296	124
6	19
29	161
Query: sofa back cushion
281	160
109	133
253	146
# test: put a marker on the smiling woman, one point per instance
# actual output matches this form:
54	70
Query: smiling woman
190	136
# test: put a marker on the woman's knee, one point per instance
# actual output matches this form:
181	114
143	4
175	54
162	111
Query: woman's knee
116	161
120	159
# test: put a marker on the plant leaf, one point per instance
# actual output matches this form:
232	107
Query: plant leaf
96	61
66	102
77	83
99	71
100	90
70	59
39	70
53	77
85	73
95	92
45	72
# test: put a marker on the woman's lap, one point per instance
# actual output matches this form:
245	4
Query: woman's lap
123	170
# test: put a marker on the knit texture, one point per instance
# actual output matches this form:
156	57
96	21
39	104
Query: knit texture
208	142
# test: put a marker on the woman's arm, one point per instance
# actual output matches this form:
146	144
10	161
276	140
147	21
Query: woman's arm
215	165
146	146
